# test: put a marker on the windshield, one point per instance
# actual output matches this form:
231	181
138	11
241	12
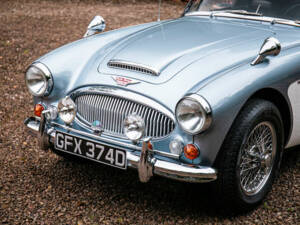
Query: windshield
285	9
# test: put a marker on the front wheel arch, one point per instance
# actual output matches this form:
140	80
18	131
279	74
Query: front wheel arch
226	187
282	104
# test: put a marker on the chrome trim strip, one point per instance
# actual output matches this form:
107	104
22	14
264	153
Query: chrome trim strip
106	139
131	66
271	20
100	138
195	174
33	125
182	172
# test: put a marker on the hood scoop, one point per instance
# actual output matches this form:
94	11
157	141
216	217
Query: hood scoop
131	66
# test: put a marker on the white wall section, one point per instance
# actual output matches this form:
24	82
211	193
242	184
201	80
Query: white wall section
294	96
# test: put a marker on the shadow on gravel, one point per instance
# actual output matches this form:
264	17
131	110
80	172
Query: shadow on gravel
291	159
97	184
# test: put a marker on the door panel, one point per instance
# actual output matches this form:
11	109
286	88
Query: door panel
294	96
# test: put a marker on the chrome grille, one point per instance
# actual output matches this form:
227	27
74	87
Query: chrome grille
118	64
112	110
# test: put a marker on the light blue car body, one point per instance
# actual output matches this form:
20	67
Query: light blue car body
194	54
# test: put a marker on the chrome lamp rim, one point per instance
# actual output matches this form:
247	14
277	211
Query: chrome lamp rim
48	78
206	109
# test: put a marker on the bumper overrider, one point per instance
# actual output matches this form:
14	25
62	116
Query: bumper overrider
143	159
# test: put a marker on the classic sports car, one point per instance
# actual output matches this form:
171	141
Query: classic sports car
211	96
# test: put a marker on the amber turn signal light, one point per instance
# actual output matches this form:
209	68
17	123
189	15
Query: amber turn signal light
38	109
191	151
150	146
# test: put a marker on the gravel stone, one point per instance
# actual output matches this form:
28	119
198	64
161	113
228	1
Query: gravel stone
39	187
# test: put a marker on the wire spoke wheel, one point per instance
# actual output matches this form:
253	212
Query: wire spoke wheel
256	158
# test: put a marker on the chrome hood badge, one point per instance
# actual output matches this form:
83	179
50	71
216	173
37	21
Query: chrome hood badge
122	81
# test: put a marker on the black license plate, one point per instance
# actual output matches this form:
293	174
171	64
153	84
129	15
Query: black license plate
91	150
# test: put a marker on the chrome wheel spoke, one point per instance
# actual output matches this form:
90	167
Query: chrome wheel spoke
257	158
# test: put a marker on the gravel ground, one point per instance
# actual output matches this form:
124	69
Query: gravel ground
41	188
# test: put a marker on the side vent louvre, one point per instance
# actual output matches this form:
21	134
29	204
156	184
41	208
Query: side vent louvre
119	64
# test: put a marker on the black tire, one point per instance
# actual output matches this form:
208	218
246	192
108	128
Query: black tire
228	185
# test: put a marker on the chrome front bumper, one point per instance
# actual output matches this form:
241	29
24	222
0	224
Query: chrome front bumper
146	163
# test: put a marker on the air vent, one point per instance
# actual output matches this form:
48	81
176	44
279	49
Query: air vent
124	65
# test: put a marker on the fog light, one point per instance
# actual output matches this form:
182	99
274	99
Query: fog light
38	109
191	151
150	145
51	113
134	127
176	146
66	110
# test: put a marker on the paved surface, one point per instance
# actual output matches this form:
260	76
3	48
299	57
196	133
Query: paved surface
42	188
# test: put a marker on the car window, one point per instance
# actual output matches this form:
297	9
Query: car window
285	9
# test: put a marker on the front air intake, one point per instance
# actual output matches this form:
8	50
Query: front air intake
111	111
124	65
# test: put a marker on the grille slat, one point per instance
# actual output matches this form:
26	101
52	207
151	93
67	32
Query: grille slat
111	112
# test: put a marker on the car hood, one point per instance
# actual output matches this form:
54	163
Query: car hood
188	52
171	46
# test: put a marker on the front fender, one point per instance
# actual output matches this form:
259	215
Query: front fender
229	92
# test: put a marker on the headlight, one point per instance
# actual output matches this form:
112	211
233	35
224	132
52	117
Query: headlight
193	114
39	80
66	110
134	127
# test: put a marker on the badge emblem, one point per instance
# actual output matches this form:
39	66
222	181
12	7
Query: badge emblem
97	127
122	81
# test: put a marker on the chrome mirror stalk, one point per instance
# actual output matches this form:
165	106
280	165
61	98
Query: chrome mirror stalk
270	47
97	25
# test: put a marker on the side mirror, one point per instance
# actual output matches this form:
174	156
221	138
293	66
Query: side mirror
271	47
97	25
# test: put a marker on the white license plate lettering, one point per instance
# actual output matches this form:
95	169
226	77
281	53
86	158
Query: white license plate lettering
110	156
101	151
120	158
77	148
91	150
68	142
60	143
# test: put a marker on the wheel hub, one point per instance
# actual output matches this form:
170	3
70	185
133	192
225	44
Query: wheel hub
257	158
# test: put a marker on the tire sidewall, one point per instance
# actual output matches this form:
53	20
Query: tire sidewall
272	116
227	186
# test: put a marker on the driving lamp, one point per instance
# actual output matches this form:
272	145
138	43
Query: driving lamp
66	110
134	127
193	114
39	80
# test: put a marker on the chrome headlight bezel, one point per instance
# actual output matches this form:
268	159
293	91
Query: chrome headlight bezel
204	110
46	78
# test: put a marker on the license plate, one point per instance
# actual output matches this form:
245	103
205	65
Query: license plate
91	150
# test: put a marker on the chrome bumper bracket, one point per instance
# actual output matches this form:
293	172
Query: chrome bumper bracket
146	163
